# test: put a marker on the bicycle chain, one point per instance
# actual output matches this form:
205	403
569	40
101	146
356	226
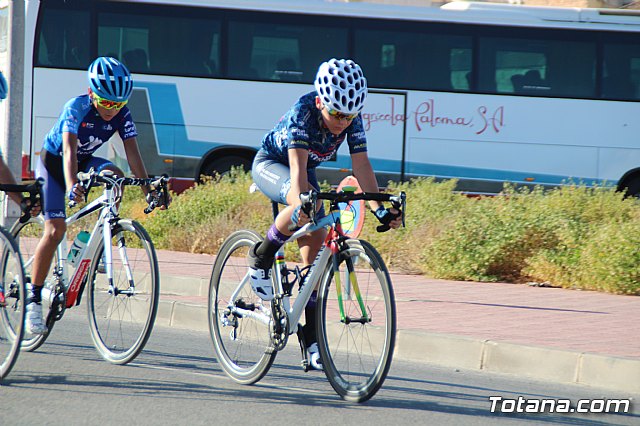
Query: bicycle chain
279	324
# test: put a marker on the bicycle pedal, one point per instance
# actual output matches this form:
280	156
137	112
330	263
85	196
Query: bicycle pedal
305	365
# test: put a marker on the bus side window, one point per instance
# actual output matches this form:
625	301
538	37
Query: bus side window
517	80
60	47
618	70
286	70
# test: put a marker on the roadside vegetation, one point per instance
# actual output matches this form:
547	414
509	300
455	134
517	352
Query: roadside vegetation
572	237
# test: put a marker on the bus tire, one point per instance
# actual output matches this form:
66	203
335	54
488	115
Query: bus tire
631	187
220	166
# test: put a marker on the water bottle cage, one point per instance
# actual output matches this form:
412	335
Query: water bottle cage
292	276
301	275
287	284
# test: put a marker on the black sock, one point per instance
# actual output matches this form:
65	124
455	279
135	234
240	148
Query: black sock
309	330
272	243
35	294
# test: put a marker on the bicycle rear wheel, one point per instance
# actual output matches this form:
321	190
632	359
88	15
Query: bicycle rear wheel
356	350
122	313
27	235
12	302
241	340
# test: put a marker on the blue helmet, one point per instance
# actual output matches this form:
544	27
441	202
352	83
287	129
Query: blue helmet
4	87
110	79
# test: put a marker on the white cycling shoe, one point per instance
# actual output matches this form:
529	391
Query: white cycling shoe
35	324
260	275
261	283
314	357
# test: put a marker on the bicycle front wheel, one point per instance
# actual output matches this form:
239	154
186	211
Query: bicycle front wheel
12	302
122	311
356	322
238	319
27	235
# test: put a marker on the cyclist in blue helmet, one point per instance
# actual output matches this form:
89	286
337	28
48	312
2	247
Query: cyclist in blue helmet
309	134
85	124
5	173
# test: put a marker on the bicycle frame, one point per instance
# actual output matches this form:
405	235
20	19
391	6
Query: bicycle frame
107	204
101	233
311	279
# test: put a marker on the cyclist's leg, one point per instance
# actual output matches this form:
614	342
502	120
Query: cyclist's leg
54	229
274	180
98	164
310	244
272	177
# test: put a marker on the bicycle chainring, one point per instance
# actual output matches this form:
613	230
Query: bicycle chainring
279	324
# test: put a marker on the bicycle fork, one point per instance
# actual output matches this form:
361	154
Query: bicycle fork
351	285
124	258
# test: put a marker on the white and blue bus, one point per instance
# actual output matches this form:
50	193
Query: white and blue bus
485	93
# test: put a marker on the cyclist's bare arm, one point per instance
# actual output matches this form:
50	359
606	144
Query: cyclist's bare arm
135	159
298	158
137	166
7	177
363	171
70	165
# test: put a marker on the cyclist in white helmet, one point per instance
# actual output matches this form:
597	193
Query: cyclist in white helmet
307	135
86	123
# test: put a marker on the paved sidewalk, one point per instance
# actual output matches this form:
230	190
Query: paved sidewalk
547	333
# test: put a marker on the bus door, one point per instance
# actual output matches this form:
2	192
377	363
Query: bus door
384	121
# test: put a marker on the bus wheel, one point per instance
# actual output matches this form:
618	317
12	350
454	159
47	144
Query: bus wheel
632	187
221	166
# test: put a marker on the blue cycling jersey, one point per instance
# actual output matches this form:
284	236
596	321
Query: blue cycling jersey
302	127
82	119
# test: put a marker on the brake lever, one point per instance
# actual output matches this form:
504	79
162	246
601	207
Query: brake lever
308	202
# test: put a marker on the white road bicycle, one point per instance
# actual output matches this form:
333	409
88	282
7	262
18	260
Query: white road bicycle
355	314
12	283
118	268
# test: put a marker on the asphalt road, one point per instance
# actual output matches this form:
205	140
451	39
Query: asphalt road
176	381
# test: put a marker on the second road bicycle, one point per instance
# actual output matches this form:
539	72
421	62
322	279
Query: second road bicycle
118	271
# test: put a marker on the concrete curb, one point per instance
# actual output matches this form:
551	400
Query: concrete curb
616	373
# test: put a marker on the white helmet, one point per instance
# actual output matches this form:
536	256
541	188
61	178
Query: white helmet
341	85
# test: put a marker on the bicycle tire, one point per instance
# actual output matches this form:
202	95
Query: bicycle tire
357	356
242	344
27	235
121	322
12	303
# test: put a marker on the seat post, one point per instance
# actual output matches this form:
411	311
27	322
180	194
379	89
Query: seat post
275	209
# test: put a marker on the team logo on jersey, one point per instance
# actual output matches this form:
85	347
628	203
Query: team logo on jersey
299	133
93	144
107	127
87	125
129	129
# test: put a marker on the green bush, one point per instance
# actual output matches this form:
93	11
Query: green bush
573	236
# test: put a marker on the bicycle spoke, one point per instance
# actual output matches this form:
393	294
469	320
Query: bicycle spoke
12	302
238	319
357	348
122	311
